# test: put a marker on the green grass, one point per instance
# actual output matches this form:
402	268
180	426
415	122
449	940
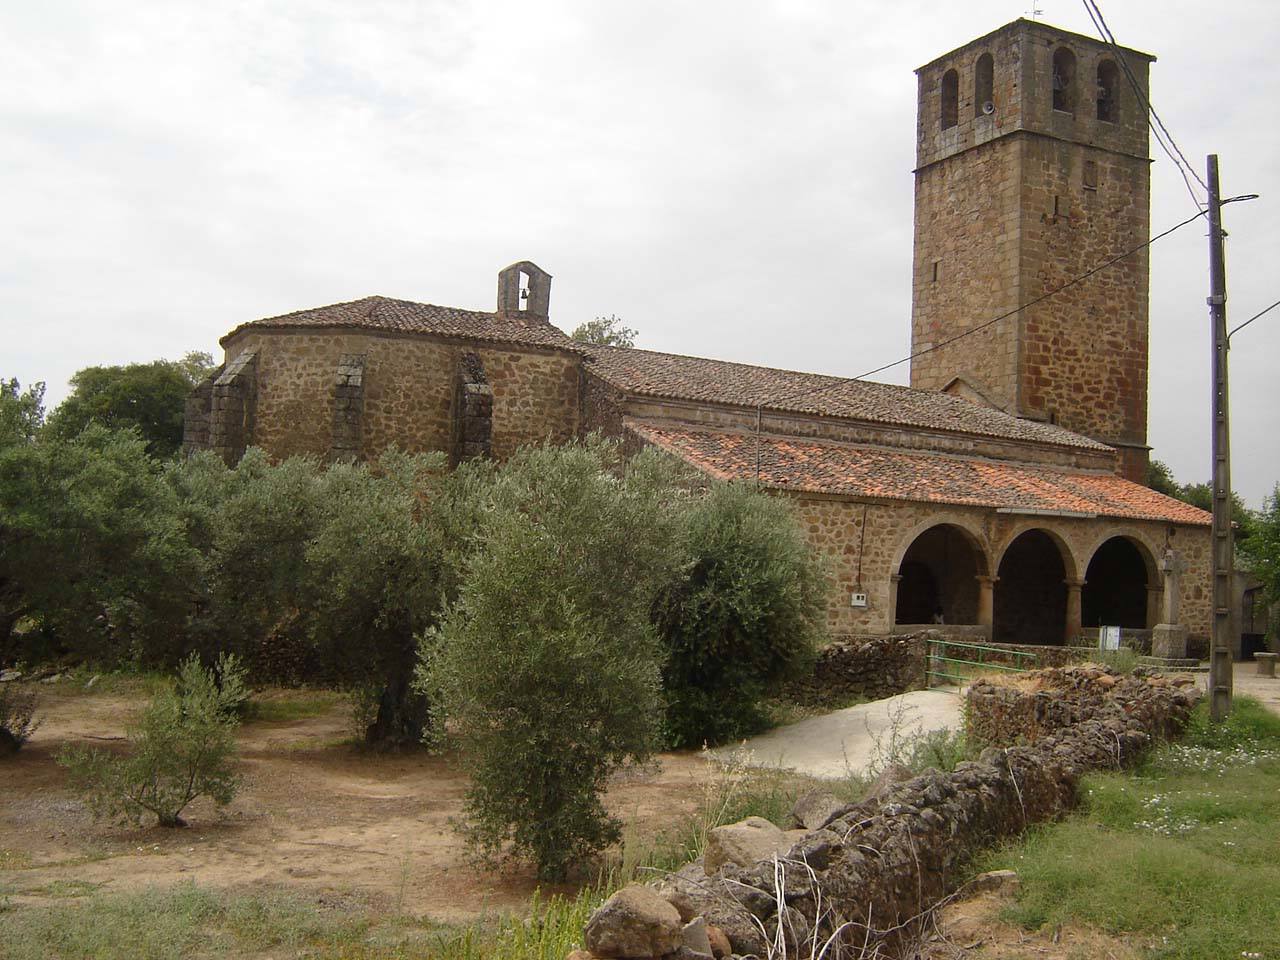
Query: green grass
139	683
14	859
179	921
286	706
1182	854
187	920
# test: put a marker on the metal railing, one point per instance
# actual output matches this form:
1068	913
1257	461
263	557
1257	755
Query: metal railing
938	656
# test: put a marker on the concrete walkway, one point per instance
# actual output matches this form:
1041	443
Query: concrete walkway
848	741
1245	680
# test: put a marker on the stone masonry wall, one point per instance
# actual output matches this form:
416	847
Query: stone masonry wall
870	872
866	542
409	390
1013	204
861	432
868	667
967	224
1084	360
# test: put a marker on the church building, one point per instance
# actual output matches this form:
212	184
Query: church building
1000	494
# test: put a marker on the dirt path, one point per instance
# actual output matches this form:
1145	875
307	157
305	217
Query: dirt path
313	813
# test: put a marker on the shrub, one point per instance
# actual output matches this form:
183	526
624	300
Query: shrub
548	664
92	547
328	573
230	676
742	616
181	749
18	718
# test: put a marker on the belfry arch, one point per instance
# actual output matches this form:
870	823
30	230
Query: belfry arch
940	577
1031	592
1117	585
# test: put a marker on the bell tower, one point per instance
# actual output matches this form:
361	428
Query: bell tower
1032	168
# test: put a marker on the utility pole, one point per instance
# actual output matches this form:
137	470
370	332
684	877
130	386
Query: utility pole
1223	548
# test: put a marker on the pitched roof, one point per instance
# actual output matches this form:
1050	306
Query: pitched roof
671	376
821	466
405	316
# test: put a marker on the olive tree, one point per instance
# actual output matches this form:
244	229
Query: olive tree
93	550
182	747
744	614
326	572
548	663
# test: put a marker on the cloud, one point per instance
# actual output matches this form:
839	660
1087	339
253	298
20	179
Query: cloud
733	179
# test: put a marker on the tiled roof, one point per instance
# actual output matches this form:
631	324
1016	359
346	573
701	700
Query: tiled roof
672	376
815	466
405	316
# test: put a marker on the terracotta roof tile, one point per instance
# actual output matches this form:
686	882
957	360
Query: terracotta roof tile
405	316
668	375
815	466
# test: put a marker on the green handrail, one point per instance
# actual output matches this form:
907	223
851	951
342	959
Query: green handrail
938	648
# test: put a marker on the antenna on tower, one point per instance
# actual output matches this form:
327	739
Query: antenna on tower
1036	12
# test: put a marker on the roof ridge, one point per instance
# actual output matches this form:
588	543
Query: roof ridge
831	389
649	423
835	377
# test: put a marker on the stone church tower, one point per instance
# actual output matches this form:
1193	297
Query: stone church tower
1033	167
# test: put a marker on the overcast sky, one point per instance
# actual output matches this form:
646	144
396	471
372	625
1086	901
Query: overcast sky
732	178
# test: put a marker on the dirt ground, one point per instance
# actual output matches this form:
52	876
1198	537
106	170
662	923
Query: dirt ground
971	929
314	813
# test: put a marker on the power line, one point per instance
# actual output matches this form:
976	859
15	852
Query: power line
1004	316
1158	128
1040	299
1260	313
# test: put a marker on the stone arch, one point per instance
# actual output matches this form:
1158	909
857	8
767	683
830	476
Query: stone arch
950	108
1118	581
1031	601
1064	80
1108	93
983	85
936	572
1070	561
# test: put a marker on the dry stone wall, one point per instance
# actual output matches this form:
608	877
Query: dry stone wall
872	871
868	667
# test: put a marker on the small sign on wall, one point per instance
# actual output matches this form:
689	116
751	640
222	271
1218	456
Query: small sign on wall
858	600
1108	638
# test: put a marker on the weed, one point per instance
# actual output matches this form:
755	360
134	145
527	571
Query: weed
288	706
1182	852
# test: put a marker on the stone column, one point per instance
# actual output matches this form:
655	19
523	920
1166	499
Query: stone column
987	603
347	431
1155	598
1071	636
1169	636
235	397
894	580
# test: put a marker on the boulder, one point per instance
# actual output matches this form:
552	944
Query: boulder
746	843
695	937
815	809
1000	882
634	922
890	777
720	947
694	894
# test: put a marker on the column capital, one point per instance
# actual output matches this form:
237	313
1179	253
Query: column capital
985	580
895	578
1074	583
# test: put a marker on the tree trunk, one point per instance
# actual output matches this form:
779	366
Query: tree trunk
402	715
